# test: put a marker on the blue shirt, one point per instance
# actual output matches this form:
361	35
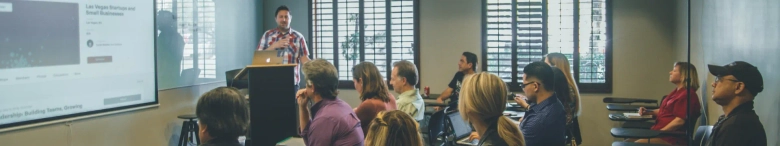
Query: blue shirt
544	124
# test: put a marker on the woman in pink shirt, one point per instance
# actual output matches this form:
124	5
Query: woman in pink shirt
373	91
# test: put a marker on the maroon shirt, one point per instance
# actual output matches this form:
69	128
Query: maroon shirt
333	124
368	109
673	106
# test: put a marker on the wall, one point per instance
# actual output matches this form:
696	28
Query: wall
723	31
642	57
299	9
235	28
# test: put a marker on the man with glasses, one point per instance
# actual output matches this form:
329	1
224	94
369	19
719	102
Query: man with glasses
735	87
544	124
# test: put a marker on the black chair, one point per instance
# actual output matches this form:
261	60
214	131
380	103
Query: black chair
702	135
623	143
189	130
239	84
638	124
435	124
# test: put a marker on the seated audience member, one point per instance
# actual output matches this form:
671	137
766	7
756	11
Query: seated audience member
544	124
571	103
482	104
373	93
393	128
467	65
332	121
223	115
735	88
670	116
404	79
562	92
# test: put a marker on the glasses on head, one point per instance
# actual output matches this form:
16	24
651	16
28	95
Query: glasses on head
526	84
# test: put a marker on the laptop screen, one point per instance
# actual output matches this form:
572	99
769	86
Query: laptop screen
462	129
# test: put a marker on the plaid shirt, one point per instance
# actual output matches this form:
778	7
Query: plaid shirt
297	47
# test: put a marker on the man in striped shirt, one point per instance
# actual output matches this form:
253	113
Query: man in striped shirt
284	37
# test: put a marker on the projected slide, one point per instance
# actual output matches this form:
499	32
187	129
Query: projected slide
67	58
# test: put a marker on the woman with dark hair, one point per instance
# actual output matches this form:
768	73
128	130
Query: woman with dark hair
223	115
373	91
559	61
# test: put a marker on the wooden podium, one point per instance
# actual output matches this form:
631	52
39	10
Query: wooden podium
273	109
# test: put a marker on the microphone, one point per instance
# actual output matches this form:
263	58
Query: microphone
284	36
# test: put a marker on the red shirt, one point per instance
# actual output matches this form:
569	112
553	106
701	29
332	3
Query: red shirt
673	106
368	109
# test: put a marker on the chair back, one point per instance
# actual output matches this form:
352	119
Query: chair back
435	124
702	135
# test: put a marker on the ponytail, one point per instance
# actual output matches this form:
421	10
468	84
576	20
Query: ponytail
508	131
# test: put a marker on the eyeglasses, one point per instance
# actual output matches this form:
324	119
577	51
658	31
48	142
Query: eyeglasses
720	79
526	84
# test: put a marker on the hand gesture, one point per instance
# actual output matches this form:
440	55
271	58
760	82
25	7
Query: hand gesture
520	99
301	97
436	108
282	43
642	111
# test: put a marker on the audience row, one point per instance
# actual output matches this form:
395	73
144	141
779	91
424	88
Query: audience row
551	99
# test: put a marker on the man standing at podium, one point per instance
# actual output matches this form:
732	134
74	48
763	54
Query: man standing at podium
285	38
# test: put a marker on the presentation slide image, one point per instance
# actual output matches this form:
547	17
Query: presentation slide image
36	33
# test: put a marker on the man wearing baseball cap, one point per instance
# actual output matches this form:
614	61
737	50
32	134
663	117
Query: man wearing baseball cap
736	85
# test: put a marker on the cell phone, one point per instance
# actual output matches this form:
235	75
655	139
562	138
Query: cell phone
511	96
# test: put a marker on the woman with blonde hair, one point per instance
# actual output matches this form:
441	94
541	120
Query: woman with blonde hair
671	115
393	128
482	103
374	95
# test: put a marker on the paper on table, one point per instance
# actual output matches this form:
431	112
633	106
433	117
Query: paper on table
637	116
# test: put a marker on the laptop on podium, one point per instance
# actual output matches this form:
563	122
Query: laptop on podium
265	57
268	57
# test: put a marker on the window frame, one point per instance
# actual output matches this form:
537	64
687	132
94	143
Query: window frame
514	85
197	28
348	84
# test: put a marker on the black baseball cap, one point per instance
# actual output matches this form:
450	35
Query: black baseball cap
744	72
